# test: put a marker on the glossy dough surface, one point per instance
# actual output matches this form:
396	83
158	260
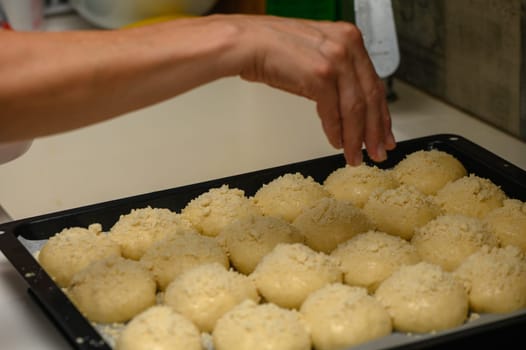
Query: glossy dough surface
136	231
249	239
401	210
204	293
261	327
423	298
449	239
429	170
288	195
369	258
495	279
470	196
356	184
216	208
169	258
290	272
330	222
113	290
508	223
159	328
73	249
340	316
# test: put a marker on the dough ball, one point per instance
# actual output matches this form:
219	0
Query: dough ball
249	239
72	249
330	222
172	256
290	272
339	316
429	171
287	195
356	183
211	211
113	290
449	239
495	279
260	327
471	196
159	328
369	258
204	293
508	223
136	231
401	210
423	298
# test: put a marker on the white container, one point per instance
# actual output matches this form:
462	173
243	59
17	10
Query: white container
24	15
113	14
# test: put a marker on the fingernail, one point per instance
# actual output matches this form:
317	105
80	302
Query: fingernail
357	160
380	152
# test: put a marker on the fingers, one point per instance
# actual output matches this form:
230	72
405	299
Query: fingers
352	104
363	107
375	122
328	63
377	115
329	112
353	112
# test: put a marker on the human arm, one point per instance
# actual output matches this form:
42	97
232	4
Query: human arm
53	82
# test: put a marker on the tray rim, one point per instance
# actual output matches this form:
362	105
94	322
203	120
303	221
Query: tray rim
15	251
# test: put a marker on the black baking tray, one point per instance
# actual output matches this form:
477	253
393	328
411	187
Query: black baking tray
83	335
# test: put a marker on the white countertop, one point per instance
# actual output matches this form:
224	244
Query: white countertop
224	128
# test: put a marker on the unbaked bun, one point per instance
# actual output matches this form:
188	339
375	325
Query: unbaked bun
356	183
340	316
508	223
369	258
471	196
211	211
74	248
428	170
401	210
423	298
495	279
159	328
330	222
290	272
288	195
136	231
204	293
260	327
170	257
449	239
112	290
249	239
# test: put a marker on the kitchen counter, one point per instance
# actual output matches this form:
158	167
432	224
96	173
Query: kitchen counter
227	127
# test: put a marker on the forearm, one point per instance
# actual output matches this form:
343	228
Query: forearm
73	79
53	82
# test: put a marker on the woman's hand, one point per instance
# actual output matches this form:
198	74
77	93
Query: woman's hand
325	62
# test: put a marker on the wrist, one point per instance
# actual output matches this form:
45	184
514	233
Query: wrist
229	53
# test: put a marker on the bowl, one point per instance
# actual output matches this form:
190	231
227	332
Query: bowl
112	14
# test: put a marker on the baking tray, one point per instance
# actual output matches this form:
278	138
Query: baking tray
18	236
